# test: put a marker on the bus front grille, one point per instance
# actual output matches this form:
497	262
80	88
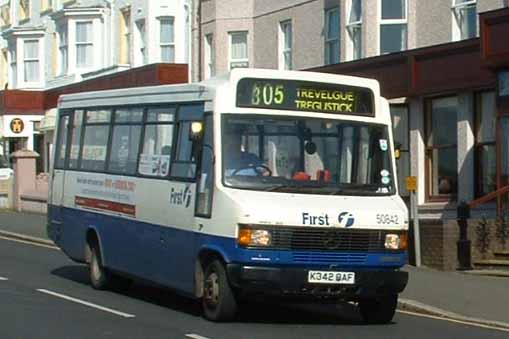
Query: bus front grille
328	239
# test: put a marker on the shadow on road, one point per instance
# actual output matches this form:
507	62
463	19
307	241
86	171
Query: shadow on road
266	311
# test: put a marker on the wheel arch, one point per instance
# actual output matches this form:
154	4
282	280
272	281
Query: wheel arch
206	255
92	236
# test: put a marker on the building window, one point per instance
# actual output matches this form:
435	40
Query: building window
210	56
13	65
5	13
24	9
485	149
354	28
332	36
84	44
167	39
238	50
63	49
125	36
464	19
393	26
141	43
285	45
31	60
4	68
441	150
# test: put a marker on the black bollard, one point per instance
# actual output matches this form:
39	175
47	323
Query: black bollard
463	244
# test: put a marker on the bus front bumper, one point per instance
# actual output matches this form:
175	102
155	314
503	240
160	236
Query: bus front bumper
293	282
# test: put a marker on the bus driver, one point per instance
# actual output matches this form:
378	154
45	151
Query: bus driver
239	162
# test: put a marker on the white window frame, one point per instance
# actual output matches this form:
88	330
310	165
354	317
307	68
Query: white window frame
457	33
36	59
353	52
383	22
126	34
141	46
331	41
166	44
210	57
90	42
283	49
231	60
13	64
63	65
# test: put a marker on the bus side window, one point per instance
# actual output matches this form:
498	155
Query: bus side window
156	150
184	165
125	141
95	140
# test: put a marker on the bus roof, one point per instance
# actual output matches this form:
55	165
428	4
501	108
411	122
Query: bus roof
201	91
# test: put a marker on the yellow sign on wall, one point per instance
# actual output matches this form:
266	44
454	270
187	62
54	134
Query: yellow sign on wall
411	183
17	125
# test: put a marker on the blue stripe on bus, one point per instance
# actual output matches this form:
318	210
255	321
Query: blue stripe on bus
167	255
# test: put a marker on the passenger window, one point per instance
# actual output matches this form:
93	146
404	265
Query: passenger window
125	141
128	115
62	141
157	143
95	143
75	139
124	149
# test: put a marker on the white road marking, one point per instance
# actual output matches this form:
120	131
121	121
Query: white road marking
30	243
86	303
195	336
454	321
3	279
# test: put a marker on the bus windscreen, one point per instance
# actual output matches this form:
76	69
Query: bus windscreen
296	95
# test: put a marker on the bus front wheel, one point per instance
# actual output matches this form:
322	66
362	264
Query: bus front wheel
218	302
378	310
100	278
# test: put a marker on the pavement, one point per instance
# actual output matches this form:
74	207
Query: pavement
455	295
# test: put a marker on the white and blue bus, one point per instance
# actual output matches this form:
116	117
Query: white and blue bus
260	182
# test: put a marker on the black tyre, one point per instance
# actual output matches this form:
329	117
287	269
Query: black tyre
378	310
218	302
100	278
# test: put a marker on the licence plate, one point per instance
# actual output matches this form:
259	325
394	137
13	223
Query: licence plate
328	277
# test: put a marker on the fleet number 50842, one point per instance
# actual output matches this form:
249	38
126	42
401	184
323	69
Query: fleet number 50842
386	219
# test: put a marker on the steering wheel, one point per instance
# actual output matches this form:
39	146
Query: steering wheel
259	169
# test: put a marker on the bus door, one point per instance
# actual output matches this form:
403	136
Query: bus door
205	182
58	177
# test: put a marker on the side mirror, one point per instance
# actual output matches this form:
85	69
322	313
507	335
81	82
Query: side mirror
397	150
196	131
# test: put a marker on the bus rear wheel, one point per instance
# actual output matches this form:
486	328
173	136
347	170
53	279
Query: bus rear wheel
100	278
218	301
378	310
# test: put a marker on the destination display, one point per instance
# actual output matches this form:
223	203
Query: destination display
307	96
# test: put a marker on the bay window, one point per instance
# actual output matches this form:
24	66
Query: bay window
31	60
84	44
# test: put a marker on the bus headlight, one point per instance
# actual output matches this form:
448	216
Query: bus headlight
254	237
396	241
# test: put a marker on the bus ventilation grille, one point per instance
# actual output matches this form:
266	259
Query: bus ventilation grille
329	258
